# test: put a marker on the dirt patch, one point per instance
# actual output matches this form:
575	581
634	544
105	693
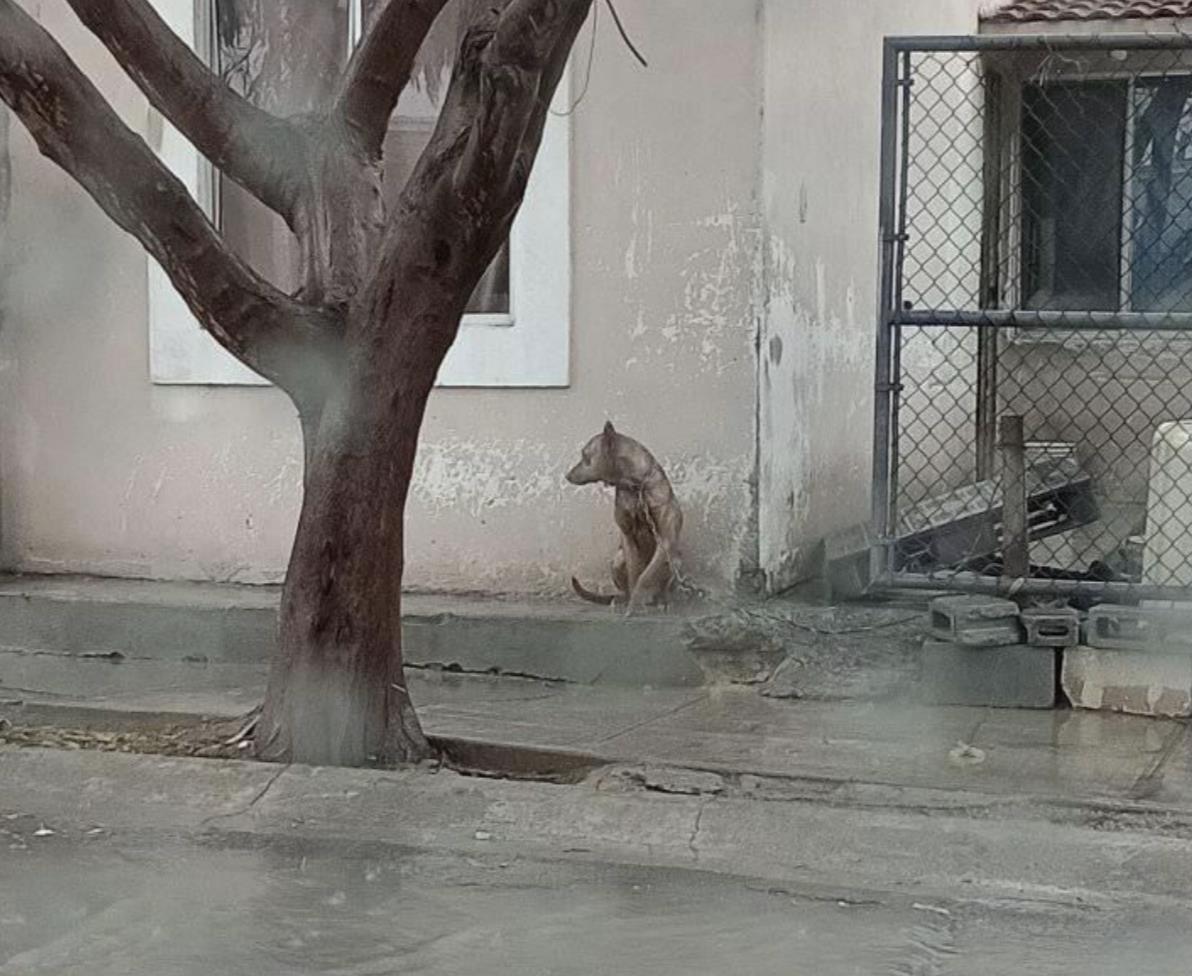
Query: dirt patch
208	740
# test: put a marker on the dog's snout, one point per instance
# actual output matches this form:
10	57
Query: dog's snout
581	474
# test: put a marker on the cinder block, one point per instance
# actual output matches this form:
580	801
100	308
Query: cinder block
1010	676
1146	628
975	621
1051	626
1136	682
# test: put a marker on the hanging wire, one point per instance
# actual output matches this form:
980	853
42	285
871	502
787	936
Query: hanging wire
588	73
624	34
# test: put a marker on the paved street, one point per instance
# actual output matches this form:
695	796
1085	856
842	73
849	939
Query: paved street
122	865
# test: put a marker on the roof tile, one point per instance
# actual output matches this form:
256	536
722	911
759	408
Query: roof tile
1024	11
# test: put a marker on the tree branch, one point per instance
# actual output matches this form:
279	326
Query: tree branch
261	152
381	66
555	63
288	342
519	70
529	30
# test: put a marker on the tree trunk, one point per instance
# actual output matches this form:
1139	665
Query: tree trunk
337	694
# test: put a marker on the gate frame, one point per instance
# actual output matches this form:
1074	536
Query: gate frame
897	80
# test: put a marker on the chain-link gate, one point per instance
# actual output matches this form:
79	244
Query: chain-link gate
1034	378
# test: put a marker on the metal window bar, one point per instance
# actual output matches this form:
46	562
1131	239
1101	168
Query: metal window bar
980	192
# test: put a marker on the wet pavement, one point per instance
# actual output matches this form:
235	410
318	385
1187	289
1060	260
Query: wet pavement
117	865
732	729
726	833
157	905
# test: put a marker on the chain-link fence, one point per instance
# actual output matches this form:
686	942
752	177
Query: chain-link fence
1034	382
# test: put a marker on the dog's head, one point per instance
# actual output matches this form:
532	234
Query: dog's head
597	460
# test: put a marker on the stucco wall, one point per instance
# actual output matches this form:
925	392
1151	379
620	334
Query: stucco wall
820	184
104	472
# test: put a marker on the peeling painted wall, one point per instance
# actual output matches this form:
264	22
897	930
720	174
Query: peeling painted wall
820	185
104	472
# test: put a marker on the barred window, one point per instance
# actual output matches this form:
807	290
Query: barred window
1107	195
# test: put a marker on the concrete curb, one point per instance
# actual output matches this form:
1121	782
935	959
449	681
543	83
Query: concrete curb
490	759
237	625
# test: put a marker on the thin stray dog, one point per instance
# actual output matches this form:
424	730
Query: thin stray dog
645	511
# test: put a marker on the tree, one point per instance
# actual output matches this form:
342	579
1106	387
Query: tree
358	345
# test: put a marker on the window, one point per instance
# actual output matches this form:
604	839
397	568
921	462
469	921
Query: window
1107	195
516	332
409	132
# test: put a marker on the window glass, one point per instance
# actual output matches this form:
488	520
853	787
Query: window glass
1073	143
1161	196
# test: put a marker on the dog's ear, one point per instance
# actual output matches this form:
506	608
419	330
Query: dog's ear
609	430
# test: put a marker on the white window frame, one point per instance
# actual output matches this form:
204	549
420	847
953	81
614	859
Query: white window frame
527	348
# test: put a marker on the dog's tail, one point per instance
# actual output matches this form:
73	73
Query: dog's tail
586	594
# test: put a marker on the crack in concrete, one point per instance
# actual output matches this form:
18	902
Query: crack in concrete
436	667
844	901
1148	784
930	946
251	803
695	829
652	719
972	736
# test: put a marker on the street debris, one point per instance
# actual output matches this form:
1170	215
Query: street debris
209	740
966	755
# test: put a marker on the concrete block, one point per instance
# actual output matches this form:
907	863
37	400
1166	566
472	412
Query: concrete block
1009	676
975	621
1152	627
1051	626
1167	558
1136	682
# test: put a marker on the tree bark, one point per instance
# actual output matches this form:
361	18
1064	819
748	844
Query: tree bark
337	693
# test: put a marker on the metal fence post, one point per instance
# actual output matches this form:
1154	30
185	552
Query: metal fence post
880	554
1016	555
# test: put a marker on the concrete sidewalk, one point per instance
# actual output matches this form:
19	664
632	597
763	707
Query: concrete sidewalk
833	750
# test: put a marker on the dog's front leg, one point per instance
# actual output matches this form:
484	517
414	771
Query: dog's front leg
621	576
635	564
654	579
